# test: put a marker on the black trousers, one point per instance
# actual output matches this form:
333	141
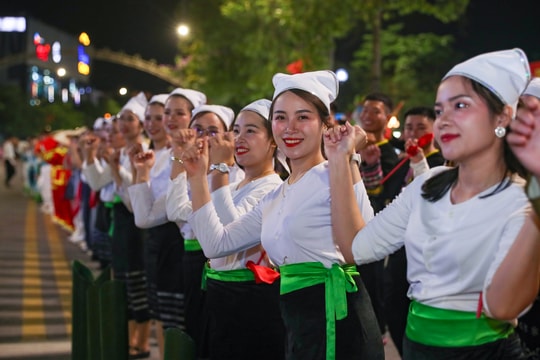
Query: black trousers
10	171
396	301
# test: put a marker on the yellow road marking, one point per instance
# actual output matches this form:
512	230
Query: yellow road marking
61	270
33	324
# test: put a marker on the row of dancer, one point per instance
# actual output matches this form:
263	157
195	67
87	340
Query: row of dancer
470	235
291	232
169	261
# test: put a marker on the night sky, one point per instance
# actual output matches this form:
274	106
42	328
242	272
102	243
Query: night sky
147	27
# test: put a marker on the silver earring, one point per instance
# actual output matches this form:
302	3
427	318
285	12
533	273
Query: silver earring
500	131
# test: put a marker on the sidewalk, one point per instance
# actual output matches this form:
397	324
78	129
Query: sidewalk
35	281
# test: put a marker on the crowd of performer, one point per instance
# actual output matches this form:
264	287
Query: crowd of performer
279	232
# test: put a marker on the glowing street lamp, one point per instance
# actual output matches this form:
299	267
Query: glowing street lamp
122	91
182	30
342	75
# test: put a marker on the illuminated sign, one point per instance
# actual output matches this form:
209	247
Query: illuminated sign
38	39
42	51
56	52
83	64
84	39
12	24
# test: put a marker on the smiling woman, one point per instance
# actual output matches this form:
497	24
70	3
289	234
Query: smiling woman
292	223
454	249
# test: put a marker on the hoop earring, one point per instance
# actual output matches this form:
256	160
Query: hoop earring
500	131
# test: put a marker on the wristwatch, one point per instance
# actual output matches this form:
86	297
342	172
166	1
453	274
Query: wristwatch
356	158
221	167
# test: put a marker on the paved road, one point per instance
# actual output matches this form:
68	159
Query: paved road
35	281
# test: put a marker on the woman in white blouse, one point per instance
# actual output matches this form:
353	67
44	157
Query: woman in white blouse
214	121
245	322
457	224
127	239
325	308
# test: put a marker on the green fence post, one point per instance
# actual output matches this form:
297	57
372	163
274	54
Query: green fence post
113	320
82	280
178	345
93	315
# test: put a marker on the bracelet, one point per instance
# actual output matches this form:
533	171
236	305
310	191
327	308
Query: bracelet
177	159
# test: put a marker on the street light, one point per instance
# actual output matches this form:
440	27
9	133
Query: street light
342	75
182	30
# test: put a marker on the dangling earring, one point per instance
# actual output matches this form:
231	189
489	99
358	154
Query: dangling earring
500	131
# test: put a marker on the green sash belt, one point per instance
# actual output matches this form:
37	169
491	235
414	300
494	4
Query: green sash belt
192	245
236	275
110	204
338	281
452	328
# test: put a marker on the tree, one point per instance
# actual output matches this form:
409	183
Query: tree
237	45
19	118
377	13
411	64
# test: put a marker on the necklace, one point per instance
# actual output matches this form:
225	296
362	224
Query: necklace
265	173
247	181
291	180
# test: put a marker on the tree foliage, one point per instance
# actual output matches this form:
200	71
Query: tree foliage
412	64
237	45
19	118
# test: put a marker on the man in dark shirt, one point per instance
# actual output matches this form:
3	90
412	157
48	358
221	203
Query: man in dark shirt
376	112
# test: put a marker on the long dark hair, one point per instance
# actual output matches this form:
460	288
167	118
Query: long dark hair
436	187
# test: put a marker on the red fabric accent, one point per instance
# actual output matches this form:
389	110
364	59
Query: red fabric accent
422	142
411	151
263	274
78	197
295	67
480	306
63	213
93	199
425	139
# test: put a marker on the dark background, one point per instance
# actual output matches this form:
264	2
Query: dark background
147	28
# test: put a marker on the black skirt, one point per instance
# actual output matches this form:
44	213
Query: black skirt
128	262
245	320
196	314
504	349
357	336
168	277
